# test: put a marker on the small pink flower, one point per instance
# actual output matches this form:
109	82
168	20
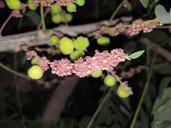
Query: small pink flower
43	63
61	67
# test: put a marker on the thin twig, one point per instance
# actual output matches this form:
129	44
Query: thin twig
143	94
13	72
99	108
42	17
116	11
4	24
18	95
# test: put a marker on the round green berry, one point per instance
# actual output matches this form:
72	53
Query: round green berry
57	19
54	40
97	74
32	5
13	4
35	72
80	2
68	17
110	80
55	9
35	60
81	43
71	8
66	45
76	54
124	91
103	40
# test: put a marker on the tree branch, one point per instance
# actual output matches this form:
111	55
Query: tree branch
13	43
59	98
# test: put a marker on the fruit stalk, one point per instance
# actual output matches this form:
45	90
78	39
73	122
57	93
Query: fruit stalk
42	17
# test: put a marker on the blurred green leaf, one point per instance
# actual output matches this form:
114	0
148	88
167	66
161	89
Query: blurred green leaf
166	93
163	84
161	14
164	114
156	1
129	6
104	113
144	3
166	124
162	100
170	14
84	122
137	54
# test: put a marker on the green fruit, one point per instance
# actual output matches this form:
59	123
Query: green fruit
97	74
71	8
68	17
54	40
110	80
66	45
81	43
13	4
57	19
80	2
32	5
124	91
103	40
55	9
76	54
35	72
35	60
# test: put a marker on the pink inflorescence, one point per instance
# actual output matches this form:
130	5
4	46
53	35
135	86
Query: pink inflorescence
84	66
100	61
61	67
63	2
44	63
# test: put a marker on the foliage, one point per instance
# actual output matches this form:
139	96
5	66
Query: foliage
113	94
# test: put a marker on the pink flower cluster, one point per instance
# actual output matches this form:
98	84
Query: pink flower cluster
63	2
83	67
130	30
49	2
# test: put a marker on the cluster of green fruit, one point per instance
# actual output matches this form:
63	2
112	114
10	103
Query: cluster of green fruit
35	72
123	90
72	7
58	16
74	48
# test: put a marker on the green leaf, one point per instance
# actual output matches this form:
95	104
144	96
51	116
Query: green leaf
144	3
129	6
135	55
163	84
161	14
166	124
156	1
164	115
170	14
84	121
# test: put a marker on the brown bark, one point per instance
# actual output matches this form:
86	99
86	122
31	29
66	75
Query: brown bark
13	43
57	102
